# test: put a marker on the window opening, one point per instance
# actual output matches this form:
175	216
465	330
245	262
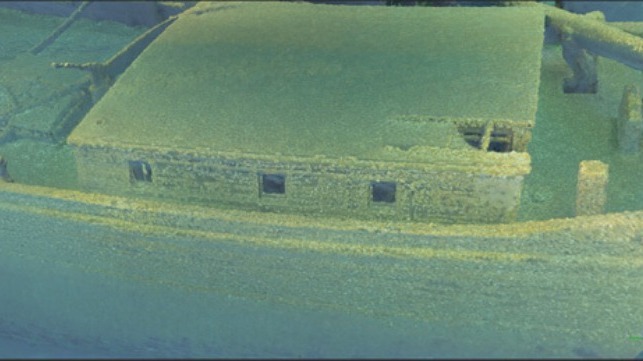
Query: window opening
473	136
273	183
140	171
500	140
383	192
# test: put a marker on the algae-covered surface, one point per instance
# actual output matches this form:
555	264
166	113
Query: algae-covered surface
575	127
89	275
304	79
35	98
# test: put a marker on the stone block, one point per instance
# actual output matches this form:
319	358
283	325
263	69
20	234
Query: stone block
591	188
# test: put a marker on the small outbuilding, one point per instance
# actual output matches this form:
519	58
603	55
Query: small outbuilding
373	112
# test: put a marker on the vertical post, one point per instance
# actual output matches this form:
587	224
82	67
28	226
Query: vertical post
4	173
591	194
630	121
583	64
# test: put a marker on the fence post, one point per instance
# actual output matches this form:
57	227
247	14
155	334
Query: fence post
591	188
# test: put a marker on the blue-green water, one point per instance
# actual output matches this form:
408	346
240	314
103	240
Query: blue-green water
48	309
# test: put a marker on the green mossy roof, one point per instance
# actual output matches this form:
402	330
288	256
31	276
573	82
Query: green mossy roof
309	79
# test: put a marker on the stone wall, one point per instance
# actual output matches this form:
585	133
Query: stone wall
446	191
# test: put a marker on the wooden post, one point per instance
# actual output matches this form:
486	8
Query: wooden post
591	193
583	65
630	122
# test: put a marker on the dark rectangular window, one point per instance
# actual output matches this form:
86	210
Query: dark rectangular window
383	192
140	171
500	139
473	135
273	183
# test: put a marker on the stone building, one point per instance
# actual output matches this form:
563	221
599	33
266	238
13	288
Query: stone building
366	112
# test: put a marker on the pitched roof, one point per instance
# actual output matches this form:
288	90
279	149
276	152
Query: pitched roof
311	79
